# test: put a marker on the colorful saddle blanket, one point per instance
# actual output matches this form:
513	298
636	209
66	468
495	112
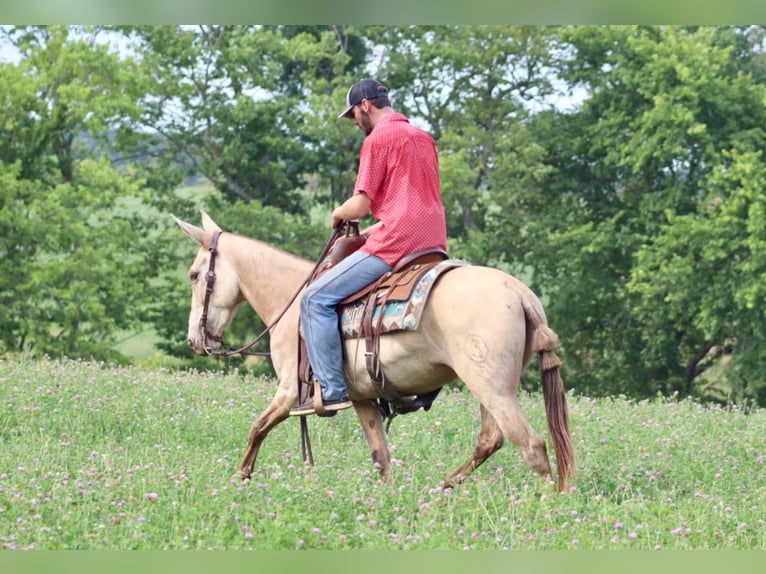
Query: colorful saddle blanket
397	315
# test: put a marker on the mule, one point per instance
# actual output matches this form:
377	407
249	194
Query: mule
479	325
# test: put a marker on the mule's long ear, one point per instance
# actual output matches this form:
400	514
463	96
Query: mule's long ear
207	222
196	233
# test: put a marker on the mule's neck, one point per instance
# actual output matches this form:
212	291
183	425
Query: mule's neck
268	276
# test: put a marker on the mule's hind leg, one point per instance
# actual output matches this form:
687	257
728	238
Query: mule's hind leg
507	413
500	400
490	441
372	424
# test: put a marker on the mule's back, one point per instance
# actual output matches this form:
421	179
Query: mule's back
475	318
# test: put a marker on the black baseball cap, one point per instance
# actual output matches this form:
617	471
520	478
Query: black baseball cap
367	89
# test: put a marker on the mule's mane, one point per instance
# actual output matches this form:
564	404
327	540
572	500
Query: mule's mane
267	247
268	275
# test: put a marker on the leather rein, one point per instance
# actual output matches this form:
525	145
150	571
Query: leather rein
210	278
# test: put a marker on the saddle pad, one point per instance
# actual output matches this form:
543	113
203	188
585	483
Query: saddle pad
397	315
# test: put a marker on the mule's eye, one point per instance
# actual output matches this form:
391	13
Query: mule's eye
193	275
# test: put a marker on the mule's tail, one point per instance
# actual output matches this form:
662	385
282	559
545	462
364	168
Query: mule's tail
544	343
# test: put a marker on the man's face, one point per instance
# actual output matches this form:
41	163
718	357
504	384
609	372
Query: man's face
362	120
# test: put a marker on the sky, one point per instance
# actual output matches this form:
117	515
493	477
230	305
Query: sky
8	52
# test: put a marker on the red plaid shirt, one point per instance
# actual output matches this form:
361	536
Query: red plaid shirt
399	172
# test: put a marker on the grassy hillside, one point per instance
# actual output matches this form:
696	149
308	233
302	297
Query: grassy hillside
93	456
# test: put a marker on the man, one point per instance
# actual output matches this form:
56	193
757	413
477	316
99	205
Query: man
398	183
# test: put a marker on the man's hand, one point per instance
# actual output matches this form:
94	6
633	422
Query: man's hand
336	218
355	207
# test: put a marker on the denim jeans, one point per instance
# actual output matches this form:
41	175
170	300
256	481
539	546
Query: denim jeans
319	317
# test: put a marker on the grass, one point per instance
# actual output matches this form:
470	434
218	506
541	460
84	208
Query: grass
139	345
101	457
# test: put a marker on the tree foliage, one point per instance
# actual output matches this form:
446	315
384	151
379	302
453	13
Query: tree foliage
637	213
75	257
233	103
639	163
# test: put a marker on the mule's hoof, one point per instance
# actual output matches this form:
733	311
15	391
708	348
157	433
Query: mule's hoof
242	475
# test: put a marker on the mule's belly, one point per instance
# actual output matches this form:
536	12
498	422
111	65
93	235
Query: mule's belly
409	362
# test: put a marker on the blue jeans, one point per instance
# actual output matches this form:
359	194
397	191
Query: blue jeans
319	317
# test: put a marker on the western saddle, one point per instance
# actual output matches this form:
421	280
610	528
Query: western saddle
396	285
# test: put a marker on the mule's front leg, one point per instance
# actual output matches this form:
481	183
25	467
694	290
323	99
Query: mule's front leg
274	414
372	424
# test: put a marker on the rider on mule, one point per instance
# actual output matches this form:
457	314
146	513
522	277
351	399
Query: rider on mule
398	183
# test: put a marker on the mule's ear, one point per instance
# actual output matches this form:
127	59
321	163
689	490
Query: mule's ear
207	222
196	233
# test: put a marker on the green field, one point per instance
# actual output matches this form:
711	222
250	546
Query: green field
100	457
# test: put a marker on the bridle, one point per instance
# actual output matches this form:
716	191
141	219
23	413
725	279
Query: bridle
210	278
209	284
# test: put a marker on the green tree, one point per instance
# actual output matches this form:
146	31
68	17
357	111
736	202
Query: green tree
74	252
707	272
664	107
235	103
474	89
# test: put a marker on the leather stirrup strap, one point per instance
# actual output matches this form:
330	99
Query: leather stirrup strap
318	404
368	330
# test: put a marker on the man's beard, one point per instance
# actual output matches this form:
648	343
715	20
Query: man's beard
365	122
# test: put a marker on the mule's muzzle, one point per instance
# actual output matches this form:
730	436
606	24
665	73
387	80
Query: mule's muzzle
206	345
198	349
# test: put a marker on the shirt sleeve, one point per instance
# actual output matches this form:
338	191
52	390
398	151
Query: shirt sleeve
372	169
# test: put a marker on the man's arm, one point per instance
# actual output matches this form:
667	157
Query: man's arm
355	207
